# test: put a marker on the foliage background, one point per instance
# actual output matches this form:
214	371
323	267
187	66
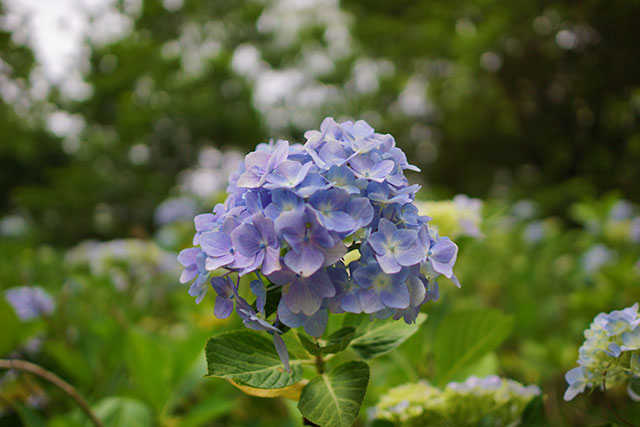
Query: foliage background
528	100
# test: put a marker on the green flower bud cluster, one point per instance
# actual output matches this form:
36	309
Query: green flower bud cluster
491	401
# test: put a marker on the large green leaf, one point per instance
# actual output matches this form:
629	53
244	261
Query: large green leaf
463	338
378	337
334	398
250	359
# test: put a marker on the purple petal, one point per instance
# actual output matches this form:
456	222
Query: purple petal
396	297
281	349
266	229
246	239
306	262
189	273
388	263
339	221
386	227
410	256
351	303
382	169
258	289
301	298
378	241
215	263
417	290
279	155
215	243
187	256
222	286
444	251
369	300
223	307
316	324
287	317
334	254
403	239
361	210
271	261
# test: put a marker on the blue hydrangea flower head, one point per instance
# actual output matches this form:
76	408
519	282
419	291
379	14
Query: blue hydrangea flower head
609	353
294	211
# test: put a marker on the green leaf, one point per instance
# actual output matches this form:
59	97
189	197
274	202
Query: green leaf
334	398
339	340
123	412
463	338
249	358
335	343
378	337
14	331
534	414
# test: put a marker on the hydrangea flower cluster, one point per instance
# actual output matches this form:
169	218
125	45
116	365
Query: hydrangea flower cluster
610	353
30	302
292	214
125	261
477	401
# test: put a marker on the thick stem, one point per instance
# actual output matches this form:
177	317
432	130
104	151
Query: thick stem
320	364
23	365
606	401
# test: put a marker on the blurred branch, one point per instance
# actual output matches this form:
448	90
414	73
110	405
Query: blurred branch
55	380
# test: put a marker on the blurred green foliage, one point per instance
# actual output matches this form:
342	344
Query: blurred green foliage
535	100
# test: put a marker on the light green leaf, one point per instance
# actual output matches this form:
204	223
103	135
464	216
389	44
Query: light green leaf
463	338
378	337
248	358
123	412
334	398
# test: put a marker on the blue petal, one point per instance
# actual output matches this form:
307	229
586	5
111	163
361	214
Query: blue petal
281	349
223	307
315	324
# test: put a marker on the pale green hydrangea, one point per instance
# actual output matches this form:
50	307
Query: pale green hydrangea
461	216
491	401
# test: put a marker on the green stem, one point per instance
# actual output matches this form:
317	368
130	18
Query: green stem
23	365
606	401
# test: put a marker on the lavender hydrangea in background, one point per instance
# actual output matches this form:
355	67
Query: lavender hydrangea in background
30	302
610	353
293	212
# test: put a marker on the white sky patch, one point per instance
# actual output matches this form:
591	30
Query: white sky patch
56	30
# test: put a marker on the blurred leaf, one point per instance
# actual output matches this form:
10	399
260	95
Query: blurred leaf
249	359
214	405
73	363
534	414
14	331
29	416
157	363
463	338
336	342
378	337
334	398
485	366
123	412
